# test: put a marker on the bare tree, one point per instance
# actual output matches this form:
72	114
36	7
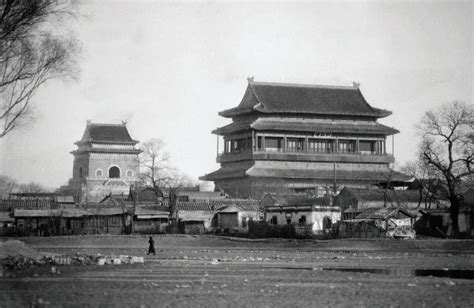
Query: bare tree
448	148
31	54
427	181
32	187
159	175
154	165
7	186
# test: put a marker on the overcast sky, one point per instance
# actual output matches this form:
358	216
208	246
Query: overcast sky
168	69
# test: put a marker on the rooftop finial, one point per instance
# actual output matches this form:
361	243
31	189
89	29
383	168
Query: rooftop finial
89	122
356	84
124	122
250	78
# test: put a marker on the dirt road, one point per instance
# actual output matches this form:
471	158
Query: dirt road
212	271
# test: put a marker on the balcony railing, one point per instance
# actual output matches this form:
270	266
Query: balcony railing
303	155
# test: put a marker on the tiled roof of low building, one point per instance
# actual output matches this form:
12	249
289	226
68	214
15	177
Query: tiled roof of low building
195	216
305	99
140	210
69	213
214	205
385	213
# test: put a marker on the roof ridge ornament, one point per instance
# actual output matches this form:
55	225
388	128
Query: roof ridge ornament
250	78
356	84
89	122
124	123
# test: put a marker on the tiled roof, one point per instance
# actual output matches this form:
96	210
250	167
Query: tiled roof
323	174
224	173
107	133
324	127
194	206
367	195
305	99
70	213
195	216
384	213
293	173
214	205
139	210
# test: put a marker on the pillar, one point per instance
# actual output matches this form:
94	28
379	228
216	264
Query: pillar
253	140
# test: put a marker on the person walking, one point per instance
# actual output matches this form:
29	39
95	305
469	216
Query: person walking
151	247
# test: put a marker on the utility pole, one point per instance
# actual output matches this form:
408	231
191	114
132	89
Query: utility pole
334	185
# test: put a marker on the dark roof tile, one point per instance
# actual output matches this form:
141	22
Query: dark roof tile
107	133
333	127
305	99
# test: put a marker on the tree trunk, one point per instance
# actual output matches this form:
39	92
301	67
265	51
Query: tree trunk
454	214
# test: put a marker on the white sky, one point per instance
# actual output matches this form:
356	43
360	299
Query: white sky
168	69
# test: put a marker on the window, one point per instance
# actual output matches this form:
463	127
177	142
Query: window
98	172
236	145
273	144
302	220
244	222
367	147
114	172
129	173
318	145
346	146
274	220
81	173
294	144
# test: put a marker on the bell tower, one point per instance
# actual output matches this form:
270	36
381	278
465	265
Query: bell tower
105	162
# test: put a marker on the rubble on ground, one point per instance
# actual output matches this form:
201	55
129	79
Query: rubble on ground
15	256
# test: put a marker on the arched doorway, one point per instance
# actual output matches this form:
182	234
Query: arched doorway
114	172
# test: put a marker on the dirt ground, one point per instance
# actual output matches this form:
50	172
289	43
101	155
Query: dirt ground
209	271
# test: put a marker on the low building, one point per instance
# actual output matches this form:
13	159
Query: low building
303	211
379	222
353	201
72	221
194	217
6	222
151	220
36	201
437	222
237	217
201	216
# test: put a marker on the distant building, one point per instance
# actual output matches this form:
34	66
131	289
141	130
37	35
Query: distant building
354	201
287	138
105	162
306	213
